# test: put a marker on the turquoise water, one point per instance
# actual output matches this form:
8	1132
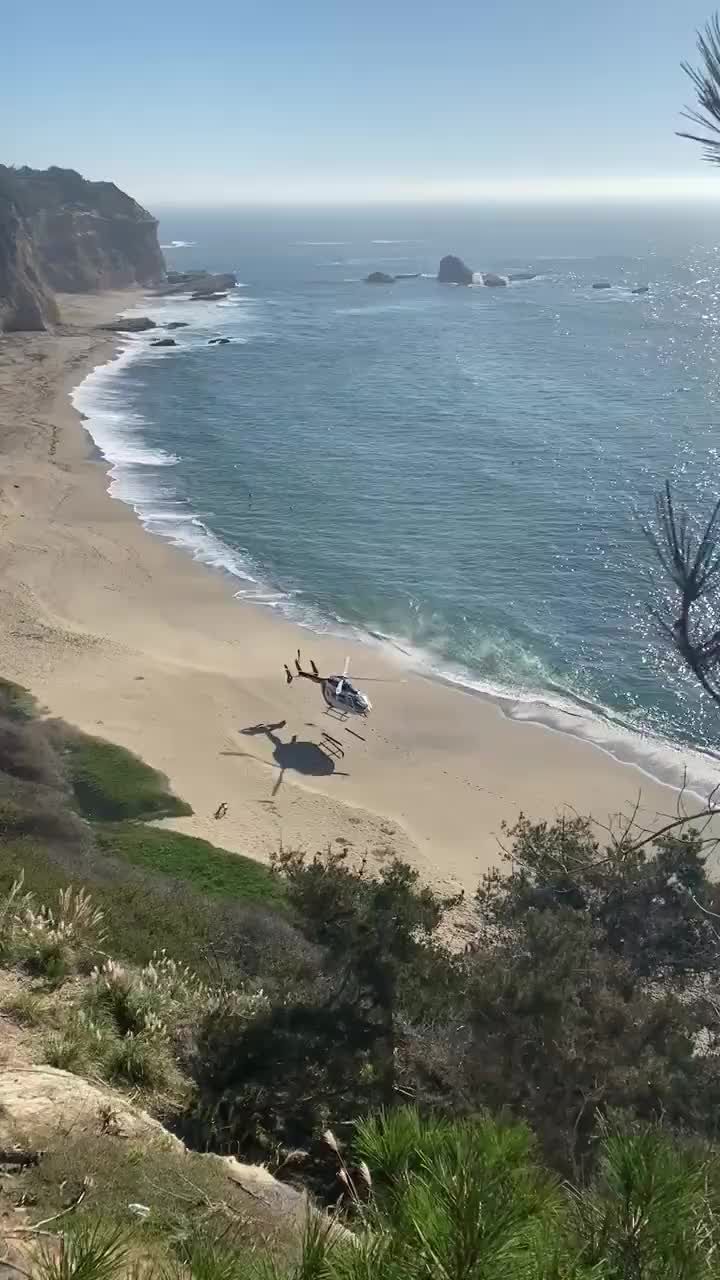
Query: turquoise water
462	472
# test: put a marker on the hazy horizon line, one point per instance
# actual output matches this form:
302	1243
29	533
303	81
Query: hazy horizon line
680	188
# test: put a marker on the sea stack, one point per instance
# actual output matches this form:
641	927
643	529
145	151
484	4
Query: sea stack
453	270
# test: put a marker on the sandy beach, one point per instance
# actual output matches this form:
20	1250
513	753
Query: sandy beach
127	637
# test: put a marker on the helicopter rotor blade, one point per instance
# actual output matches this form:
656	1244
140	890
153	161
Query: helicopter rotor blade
380	679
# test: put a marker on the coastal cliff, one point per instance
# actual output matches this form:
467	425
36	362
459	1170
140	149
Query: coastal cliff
59	231
26	301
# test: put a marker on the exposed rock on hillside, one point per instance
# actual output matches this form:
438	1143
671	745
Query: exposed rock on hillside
59	231
26	301
88	235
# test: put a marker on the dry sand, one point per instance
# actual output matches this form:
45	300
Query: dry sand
128	638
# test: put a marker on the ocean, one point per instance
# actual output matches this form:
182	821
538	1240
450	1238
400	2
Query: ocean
461	474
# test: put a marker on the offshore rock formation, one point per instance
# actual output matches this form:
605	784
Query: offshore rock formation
129	324
59	231
198	283
452	270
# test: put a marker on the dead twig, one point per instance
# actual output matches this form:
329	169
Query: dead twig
45	1222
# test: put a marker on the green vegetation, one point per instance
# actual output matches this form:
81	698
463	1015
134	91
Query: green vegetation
210	870
460	1200
266	1010
111	784
157	889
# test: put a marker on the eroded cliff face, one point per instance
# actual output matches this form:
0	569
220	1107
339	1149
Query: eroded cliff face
90	235
61	232
26	301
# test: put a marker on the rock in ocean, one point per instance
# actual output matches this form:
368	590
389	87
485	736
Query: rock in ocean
129	324
453	270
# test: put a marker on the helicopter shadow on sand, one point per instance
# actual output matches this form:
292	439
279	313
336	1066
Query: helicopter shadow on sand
313	759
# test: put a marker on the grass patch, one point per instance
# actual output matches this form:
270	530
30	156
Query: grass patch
15	702
25	1008
142	914
208	869
189	1197
111	784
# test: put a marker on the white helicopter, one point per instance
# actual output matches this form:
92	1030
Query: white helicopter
340	695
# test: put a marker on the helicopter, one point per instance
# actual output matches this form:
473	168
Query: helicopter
340	695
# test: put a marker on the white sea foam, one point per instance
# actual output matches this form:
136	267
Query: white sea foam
179	244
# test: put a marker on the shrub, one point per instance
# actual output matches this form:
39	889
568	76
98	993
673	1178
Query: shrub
80	1046
25	1008
143	1060
88	1251
52	942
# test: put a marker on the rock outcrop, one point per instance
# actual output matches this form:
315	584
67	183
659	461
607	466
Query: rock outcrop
163	342
177	324
129	324
379	277
452	270
61	232
89	235
26	300
196	282
641	288
493	281
41	1107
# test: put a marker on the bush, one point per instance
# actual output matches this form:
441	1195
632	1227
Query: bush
15	702
79	1046
28	809
89	1251
51	942
25	1008
141	1060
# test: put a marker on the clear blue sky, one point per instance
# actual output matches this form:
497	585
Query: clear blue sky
278	99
